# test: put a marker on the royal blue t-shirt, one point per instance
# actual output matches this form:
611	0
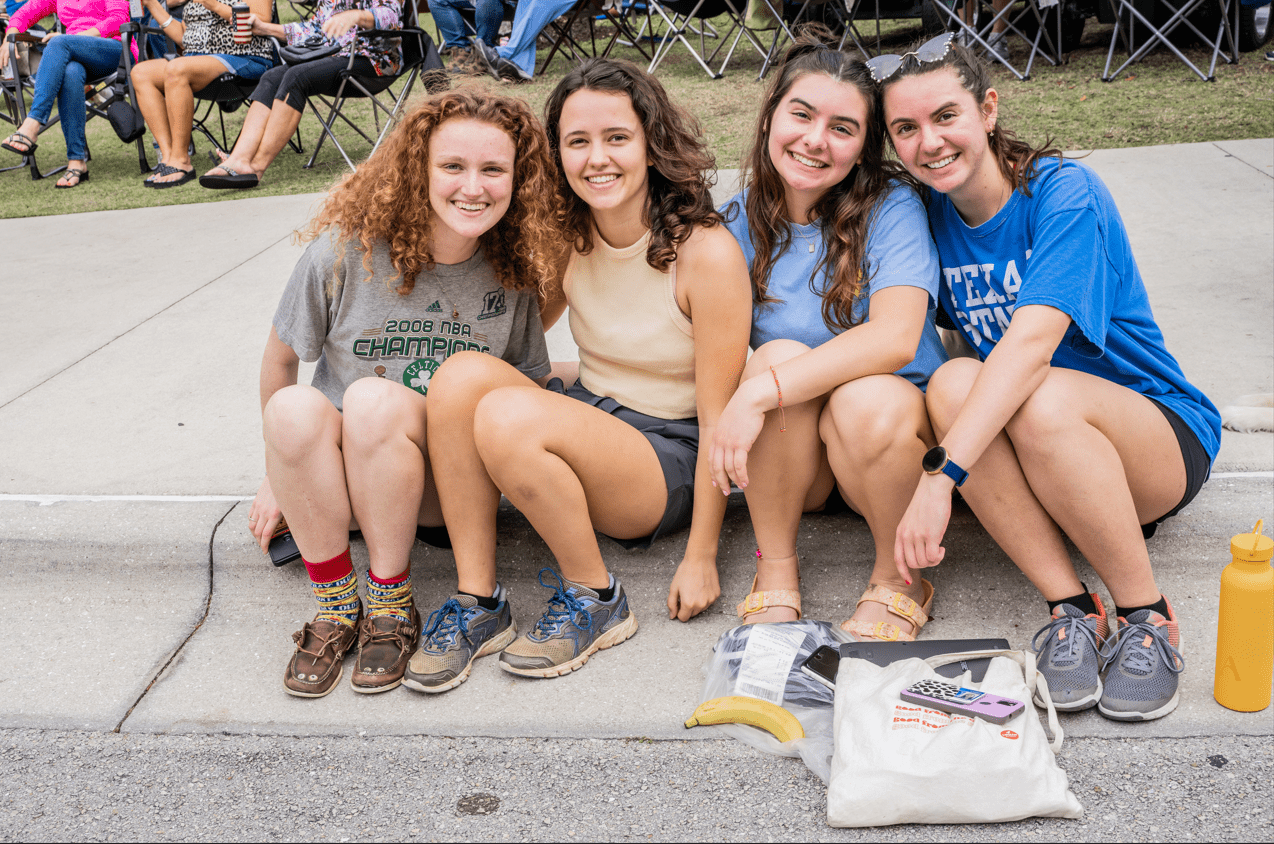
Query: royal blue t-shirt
1065	246
899	252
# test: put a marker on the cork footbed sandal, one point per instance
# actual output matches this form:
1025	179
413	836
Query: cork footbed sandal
898	604
757	602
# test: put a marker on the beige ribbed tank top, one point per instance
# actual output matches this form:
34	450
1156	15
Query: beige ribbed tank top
635	344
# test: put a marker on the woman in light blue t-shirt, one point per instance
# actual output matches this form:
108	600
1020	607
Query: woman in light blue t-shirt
1073	417
831	409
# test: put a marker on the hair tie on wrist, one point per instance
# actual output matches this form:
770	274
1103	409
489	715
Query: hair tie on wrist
782	415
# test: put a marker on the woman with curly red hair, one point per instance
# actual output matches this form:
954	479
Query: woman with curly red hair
660	308
438	244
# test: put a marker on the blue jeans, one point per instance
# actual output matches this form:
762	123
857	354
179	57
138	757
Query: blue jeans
487	17
530	18
69	61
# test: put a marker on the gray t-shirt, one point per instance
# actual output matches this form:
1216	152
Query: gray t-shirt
356	328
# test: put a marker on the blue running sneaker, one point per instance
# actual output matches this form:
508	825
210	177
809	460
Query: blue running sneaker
1143	664
576	625
457	634
1069	656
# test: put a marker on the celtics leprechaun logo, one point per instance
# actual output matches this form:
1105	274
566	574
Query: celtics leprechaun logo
418	374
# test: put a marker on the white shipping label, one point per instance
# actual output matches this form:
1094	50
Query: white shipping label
767	660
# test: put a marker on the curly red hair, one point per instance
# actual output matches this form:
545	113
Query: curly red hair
387	199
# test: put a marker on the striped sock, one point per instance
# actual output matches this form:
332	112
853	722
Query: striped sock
391	597
335	589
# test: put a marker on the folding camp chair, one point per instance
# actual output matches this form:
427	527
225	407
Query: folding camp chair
685	20
104	91
419	54
1024	19
1136	26
566	43
783	17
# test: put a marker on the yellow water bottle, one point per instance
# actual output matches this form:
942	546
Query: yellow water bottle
1245	625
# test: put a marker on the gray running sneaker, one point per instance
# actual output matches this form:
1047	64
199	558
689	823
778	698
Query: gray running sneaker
457	634
1143	664
1069	656
576	625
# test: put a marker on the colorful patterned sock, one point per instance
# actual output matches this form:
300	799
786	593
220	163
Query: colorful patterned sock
335	588
390	597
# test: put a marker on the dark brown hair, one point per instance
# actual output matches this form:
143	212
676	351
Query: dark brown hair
1017	160
387	199
846	210
678	197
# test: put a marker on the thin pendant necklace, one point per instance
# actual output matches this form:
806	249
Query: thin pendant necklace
812	238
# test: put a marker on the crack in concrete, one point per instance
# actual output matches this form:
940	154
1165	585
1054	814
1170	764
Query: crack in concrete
207	606
1229	154
167	307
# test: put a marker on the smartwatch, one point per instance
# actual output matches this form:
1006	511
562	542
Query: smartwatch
936	460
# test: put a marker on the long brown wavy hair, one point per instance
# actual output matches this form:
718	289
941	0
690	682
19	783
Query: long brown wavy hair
846	211
680	176
387	199
1018	161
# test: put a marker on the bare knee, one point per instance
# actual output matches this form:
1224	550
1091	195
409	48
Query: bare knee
376	410
947	391
1046	414
296	419
869	417
509	421
772	354
148	74
464	378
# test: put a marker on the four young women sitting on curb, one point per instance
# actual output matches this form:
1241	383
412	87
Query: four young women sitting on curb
1072	417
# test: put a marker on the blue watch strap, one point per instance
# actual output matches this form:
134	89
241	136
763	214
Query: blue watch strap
954	472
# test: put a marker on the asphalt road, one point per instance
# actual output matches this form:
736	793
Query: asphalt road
109	787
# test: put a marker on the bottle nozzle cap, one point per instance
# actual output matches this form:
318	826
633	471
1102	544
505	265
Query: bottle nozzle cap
1252	547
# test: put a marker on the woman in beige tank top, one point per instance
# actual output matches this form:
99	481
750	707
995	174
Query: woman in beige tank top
660	308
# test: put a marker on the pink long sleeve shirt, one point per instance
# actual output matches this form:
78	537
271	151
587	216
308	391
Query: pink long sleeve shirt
76	15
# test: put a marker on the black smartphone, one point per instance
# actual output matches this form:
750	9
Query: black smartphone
822	665
282	546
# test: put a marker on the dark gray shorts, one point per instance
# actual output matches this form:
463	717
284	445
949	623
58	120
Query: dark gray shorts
676	444
1198	465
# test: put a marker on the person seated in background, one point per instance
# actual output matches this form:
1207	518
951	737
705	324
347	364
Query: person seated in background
456	49
515	61
280	97
166	89
89	48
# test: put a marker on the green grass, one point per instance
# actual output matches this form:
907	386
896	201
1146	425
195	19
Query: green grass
1157	101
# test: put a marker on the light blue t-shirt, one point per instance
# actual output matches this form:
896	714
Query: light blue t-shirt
1065	246
899	252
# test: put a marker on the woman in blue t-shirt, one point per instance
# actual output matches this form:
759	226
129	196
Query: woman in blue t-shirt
1073	418
831	408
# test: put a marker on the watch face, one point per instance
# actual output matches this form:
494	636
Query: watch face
934	459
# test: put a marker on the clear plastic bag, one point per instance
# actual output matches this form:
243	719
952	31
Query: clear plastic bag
764	661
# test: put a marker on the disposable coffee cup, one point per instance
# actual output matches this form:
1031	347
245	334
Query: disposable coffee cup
242	28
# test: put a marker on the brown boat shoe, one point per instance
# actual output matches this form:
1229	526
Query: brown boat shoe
385	645
318	662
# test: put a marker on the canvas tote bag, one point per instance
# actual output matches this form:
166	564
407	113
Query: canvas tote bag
896	762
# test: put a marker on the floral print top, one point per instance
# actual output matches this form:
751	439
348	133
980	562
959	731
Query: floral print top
385	54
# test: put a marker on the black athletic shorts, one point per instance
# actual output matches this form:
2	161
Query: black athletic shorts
676	444
1198	466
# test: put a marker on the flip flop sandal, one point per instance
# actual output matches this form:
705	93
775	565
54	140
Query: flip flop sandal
898	604
80	174
186	176
161	169
230	181
31	145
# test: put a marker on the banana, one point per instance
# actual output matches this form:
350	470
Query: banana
738	709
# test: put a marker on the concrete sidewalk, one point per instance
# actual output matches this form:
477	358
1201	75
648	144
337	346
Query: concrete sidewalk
130	429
